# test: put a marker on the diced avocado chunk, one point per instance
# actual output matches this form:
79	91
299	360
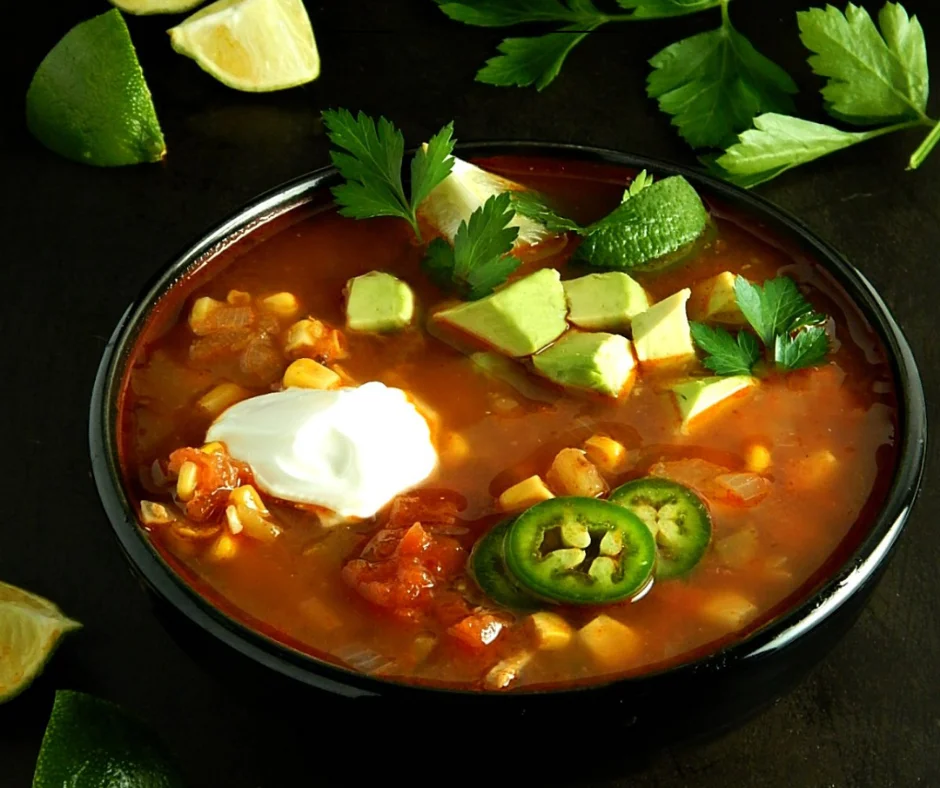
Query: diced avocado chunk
593	361
653	223
714	300
378	302
518	320
604	302
661	333
513	374
696	396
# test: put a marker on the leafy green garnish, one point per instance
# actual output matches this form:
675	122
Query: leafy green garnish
479	260
727	355
639	183
531	61
662	9
370	159
533	206
503	13
804	348
772	308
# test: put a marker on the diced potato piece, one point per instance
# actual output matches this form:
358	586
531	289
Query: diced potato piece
154	513
454	448
738	548
238	298
284	305
611	643
813	471
552	632
757	458
223	396
306	373
572	473
186	481
422	646
506	671
223	549
729	609
526	493
303	336
199	314
320	616
606	453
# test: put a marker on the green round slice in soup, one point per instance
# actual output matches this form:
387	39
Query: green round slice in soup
580	551
488	568
677	518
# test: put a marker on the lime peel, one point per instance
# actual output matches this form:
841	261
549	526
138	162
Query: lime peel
147	7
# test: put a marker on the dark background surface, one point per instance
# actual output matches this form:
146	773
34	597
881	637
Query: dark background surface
80	242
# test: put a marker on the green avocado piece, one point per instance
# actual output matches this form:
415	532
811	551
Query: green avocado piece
513	374
604	302
593	361
662	333
696	396
378	302
653	223
715	300
518	320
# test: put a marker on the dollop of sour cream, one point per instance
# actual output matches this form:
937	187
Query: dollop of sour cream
350	450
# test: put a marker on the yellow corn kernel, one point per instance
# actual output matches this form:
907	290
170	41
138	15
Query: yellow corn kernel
186	481
552	632
223	396
506	671
223	549
454	448
729	610
284	305
238	298
257	525
757	458
574	474
213	448
611	643
232	519
154	513
320	616
302	337
305	373
526	493
606	453
247	496
199	314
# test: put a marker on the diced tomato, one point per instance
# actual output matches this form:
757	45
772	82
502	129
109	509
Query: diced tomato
414	543
426	507
218	474
450	608
477	631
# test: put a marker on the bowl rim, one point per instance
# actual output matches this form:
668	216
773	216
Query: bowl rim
856	571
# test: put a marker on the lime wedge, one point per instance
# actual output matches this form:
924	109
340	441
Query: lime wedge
142	7
30	629
90	743
88	100
652	223
251	45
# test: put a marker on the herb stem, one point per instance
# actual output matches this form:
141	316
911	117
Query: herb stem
632	17
923	150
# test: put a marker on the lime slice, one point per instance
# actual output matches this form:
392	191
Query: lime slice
143	7
90	743
88	100
652	223
252	45
30	629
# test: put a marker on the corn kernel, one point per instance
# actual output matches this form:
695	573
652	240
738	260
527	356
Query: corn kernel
186	481
247	496
284	305
552	632
302	337
526	493
757	458
574	474
223	549
223	396
199	314
213	448
306	373
238	298
320	616
154	513
454	448
232	519
606	453
611	643
257	526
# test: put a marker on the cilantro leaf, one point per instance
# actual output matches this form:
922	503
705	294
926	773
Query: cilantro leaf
638	184
714	83
806	347
873	78
503	13
530	205
528	61
726	355
479	260
773	308
432	164
660	9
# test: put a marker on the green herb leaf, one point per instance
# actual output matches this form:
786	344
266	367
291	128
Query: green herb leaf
479	260
531	205
726	355
432	164
660	9
528	61
806	347
639	183
873	78
503	13
773	308
713	84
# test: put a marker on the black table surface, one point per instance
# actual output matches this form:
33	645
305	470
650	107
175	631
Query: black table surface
80	242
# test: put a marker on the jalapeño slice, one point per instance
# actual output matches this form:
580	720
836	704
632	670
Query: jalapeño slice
678	519
580	551
488	568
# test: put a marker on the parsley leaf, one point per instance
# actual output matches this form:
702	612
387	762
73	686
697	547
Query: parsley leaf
806	347
774	308
502	13
638	184
531	205
479	260
714	83
873	78
726	355
660	9
527	61
370	159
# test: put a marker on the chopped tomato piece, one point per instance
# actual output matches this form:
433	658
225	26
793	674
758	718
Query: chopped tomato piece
477	631
217	475
415	542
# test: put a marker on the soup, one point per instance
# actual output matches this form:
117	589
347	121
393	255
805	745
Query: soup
491	517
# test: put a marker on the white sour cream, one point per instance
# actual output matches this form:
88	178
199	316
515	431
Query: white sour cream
350	450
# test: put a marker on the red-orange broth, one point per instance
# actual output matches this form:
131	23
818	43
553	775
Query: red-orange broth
293	588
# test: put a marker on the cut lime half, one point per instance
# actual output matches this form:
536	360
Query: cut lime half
144	7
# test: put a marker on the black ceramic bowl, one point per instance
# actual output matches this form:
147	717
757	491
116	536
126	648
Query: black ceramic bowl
711	692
